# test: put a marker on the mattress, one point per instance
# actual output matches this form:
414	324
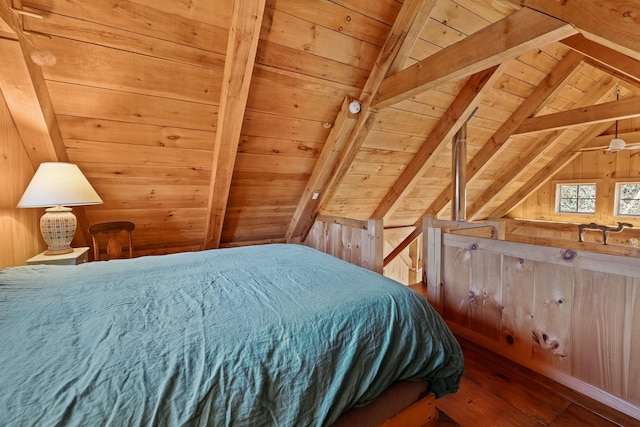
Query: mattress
263	335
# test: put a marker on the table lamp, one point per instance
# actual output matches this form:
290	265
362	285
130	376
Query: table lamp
56	186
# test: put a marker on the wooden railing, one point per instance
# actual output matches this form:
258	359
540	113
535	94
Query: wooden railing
566	312
358	242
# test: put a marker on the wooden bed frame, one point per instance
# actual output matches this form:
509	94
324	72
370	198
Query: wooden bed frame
361	243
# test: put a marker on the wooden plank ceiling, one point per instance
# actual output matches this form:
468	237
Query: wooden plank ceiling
220	122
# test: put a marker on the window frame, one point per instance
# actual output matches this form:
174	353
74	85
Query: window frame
558	198
616	205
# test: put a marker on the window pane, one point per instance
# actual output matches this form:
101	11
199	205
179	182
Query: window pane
587	191
629	199
586	205
568	191
577	198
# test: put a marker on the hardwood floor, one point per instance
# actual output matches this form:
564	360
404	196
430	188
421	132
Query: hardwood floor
498	392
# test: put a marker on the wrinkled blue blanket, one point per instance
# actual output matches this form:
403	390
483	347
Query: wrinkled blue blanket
277	335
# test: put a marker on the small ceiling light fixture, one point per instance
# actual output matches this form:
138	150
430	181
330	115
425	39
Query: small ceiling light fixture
354	107
55	186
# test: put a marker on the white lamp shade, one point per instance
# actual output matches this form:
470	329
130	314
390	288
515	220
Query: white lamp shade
58	184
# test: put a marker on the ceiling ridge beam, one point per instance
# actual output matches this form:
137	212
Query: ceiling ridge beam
504	40
405	29
451	121
242	45
534	153
551	84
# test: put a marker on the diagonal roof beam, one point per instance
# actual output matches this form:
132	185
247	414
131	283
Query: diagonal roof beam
535	152
27	97
554	81
620	32
567	155
605	56
462	107
242	45
605	112
404	32
504	40
24	89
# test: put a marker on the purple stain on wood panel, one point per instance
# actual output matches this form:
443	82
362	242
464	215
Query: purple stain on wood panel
569	255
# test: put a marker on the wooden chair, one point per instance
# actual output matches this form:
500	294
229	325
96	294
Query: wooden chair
111	230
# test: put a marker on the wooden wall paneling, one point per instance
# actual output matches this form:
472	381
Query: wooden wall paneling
290	31
631	343
485	294
98	103
273	126
598	331
99	33
211	12
128	154
358	242
300	61
339	18
552	311
19	228
89	129
279	97
101	67
157	23
518	297
457	280
582	311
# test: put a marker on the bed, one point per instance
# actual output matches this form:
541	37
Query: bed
277	334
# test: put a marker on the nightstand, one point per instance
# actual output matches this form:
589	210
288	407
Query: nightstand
78	256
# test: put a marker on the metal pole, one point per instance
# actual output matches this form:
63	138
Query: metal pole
459	175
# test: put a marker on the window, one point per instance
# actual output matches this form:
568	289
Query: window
628	199
576	198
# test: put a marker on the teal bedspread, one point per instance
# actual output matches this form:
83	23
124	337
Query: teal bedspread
278	335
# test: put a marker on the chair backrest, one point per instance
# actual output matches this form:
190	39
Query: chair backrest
111	231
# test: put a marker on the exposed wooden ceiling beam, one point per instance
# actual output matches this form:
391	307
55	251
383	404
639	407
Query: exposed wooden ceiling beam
405	30
549	170
25	92
504	40
306	212
611	23
605	112
458	112
605	56
554	81
534	153
242	45
27	97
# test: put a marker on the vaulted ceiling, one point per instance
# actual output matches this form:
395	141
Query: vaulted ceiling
219	122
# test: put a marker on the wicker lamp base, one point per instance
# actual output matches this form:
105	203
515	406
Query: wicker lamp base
58	226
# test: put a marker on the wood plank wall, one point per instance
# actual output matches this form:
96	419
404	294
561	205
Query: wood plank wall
599	166
569	314
20	237
358	242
